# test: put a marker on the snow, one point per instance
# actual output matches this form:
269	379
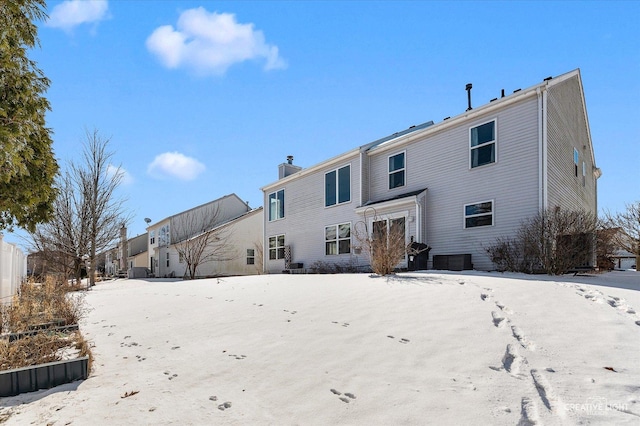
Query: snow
416	348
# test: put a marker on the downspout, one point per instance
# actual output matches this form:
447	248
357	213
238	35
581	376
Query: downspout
265	243
542	148
545	155
540	155
361	176
418	221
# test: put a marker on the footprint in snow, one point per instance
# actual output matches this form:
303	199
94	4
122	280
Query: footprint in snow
498	320
348	396
224	406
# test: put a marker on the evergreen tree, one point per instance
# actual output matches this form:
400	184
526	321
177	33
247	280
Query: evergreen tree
27	163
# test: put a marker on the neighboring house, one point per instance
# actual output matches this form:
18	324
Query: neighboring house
242	251
624	260
137	255
455	185
111	262
163	257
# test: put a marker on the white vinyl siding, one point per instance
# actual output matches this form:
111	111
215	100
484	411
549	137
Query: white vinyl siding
305	205
567	133
439	162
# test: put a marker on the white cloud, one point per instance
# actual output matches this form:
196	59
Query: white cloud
210	43
126	178
71	13
174	164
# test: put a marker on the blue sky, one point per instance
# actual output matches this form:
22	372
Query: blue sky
203	98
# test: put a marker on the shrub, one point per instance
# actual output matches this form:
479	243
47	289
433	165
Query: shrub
42	348
554	241
38	304
42	303
385	245
320	267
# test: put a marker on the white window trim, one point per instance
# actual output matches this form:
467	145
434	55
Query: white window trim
404	169
495	141
338	239
276	247
389	217
338	203
269	204
465	217
253	257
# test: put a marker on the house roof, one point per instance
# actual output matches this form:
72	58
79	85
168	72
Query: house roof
352	152
389	138
415	132
397	197
494	104
227	223
194	208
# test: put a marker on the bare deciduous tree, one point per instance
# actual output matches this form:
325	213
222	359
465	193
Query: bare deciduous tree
259	256
200	238
628	225
554	241
87	212
384	243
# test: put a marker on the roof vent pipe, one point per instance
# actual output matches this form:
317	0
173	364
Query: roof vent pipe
468	89
502	93
290	159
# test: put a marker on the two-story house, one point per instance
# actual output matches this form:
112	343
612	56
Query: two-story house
455	185
229	216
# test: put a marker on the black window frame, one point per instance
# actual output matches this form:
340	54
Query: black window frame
277	212
477	218
397	175
478	148
342	244
334	183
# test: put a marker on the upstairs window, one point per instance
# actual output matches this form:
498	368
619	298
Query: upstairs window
396	170
152	237
276	247
337	186
164	237
337	239
584	174
482	144
478	214
251	256
576	160
276	205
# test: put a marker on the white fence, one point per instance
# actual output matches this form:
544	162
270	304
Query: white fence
13	268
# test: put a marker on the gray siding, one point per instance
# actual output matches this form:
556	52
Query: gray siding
305	217
437	158
440	162
566	130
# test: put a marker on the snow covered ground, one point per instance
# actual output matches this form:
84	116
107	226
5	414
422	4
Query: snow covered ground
417	348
